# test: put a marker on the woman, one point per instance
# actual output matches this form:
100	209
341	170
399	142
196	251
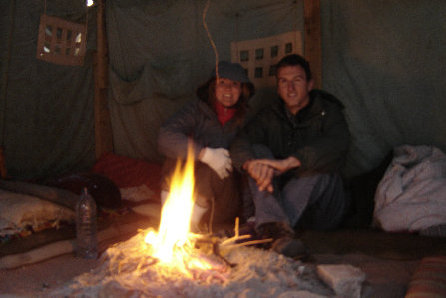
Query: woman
210	122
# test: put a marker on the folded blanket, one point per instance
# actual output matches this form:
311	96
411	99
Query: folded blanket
21	211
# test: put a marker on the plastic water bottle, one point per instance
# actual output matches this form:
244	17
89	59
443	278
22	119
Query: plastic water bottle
86	228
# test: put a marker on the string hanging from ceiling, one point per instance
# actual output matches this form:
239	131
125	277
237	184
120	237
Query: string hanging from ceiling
214	47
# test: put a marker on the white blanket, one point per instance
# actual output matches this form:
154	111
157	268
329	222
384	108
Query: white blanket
19	211
412	193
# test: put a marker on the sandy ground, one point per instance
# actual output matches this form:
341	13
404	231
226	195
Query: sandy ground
388	260
36	279
385	277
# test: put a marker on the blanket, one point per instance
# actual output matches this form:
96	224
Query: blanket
20	212
411	196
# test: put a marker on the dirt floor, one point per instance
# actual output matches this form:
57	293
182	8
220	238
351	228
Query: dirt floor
389	261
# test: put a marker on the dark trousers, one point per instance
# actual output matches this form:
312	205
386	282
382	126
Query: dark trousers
313	202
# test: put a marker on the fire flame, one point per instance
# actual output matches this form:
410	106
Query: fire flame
173	245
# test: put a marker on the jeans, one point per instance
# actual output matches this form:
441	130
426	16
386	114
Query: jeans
314	202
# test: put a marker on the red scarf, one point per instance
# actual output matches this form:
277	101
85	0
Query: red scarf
224	114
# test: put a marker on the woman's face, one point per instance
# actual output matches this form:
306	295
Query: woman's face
227	91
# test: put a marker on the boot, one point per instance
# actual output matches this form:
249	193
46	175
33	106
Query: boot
289	247
284	241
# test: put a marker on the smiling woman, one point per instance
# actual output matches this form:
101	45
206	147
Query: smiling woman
227	92
210	123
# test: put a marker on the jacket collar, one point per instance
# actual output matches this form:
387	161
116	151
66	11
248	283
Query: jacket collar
314	108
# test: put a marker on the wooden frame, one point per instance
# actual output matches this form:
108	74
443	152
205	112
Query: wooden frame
60	41
103	129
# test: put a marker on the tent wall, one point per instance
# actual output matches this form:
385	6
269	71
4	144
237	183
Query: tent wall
160	53
384	59
46	118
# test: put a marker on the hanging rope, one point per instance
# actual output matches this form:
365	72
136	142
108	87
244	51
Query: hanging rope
210	37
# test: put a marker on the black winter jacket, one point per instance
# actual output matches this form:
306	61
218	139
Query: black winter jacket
318	136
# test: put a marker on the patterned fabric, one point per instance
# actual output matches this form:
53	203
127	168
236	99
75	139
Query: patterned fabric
429	280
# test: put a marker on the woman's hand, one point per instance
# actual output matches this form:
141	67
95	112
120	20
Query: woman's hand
218	159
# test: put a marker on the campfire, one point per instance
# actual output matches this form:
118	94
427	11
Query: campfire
174	250
173	261
174	246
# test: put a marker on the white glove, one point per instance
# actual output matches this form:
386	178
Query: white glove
218	159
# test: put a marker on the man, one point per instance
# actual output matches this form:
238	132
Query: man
292	151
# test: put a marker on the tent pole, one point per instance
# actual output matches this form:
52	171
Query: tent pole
312	39
103	130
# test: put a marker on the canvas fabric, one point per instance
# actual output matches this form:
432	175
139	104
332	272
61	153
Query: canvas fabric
381	58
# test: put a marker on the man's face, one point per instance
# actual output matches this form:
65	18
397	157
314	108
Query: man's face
227	91
293	87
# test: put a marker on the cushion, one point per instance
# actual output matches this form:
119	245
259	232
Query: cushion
102	189
20	211
132	176
429	279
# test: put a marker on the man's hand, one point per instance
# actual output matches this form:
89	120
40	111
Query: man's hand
263	170
263	174
218	159
281	165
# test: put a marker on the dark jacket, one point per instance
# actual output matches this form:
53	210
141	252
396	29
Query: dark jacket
317	135
197	122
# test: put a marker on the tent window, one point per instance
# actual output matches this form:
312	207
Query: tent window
61	42
258	72
259	54
274	51
244	56
272	70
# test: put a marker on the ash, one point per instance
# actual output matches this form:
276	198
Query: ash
257	273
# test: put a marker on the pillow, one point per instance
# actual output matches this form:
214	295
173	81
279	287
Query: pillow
102	189
129	173
429	279
20	211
